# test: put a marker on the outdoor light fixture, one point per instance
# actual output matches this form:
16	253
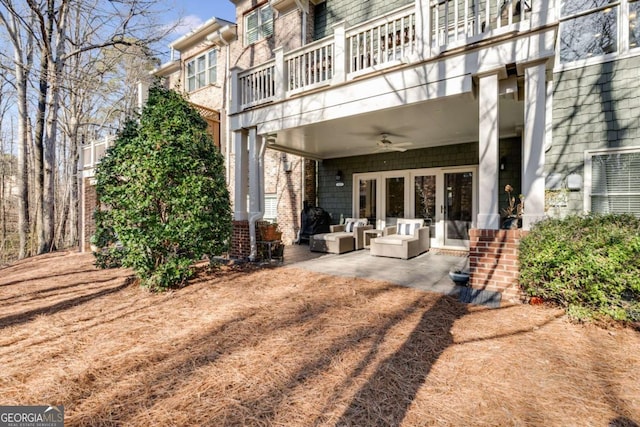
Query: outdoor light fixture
339	182
286	164
503	163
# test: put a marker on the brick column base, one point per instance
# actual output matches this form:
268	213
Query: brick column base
493	261
240	240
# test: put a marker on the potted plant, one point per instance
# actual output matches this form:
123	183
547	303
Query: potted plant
270	232
512	214
459	276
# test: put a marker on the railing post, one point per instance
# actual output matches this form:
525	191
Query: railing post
234	104
280	74
340	52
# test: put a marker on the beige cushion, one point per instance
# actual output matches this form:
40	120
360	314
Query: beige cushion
351	223
332	237
393	239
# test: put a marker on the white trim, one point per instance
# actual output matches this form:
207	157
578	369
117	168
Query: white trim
207	70
438	240
588	170
623	51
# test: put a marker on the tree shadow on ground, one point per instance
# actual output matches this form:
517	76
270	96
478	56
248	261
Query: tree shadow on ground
20	318
387	395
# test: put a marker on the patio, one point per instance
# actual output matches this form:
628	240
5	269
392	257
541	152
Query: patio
427	272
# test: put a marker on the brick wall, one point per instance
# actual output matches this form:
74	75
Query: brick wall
493	261
594	107
90	202
240	241
287	34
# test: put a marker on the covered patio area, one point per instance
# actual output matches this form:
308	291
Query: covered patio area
428	272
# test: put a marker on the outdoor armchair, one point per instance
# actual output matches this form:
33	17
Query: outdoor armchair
406	239
342	238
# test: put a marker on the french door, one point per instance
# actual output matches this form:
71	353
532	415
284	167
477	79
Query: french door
444	197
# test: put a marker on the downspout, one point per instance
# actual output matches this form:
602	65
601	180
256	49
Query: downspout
216	38
227	130
256	215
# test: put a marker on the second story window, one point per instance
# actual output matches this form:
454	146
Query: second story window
593	28
634	24
258	24
202	70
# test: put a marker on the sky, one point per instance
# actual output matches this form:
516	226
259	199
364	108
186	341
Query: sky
196	12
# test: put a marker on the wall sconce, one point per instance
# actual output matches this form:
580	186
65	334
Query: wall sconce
339	181
503	163
286	164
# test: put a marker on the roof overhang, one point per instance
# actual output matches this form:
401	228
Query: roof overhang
166	69
200	34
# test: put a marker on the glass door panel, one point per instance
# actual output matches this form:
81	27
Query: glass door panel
458	208
394	199
367	200
425	202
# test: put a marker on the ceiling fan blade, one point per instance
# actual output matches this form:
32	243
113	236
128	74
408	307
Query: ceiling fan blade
402	144
393	148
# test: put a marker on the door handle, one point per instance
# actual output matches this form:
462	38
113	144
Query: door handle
441	208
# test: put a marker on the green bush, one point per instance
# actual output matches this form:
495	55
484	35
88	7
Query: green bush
589	265
163	198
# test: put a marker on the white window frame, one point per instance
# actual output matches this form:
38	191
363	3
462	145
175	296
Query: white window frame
261	28
623	49
588	169
202	75
270	207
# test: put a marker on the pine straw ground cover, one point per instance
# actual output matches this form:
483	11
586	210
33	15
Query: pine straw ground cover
286	347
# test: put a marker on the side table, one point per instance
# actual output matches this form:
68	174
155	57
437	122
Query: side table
271	245
370	234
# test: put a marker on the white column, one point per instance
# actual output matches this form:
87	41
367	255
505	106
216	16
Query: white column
488	213
340	53
257	146
143	95
533	143
234	103
241	176
254	172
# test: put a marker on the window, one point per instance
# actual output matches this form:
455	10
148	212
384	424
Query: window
612	181
202	70
593	28
589	28
258	24
634	24
270	207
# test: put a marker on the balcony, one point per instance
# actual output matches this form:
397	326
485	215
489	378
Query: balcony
92	152
393	40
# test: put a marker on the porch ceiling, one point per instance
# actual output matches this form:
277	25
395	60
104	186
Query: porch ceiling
444	121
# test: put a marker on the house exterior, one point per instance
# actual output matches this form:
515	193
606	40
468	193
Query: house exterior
428	109
199	66
422	108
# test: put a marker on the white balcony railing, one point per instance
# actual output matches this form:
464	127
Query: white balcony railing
310	66
455	20
257	86
393	39
92	152
380	42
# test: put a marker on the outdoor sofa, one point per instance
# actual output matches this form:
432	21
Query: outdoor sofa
407	239
341	238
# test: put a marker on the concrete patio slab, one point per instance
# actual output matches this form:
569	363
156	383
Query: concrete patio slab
428	272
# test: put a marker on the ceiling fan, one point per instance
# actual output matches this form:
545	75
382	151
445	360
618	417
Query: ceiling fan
385	145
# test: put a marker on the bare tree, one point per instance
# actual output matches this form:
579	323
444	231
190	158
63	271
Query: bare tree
65	32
